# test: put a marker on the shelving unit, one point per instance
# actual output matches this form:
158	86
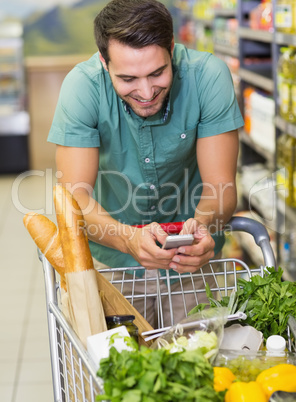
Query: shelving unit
258	53
14	120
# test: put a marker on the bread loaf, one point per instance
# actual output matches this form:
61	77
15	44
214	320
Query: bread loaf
45	234
71	225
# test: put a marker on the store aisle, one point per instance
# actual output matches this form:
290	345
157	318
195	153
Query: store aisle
25	371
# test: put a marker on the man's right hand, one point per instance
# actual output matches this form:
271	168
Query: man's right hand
142	245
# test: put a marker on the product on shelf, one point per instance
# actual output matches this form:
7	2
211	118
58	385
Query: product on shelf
247	109
203	9
286	77
286	152
285	16
225	31
262	112
261	17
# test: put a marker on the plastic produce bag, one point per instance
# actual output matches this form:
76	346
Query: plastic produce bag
202	330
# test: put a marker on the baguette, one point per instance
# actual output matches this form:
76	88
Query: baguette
71	224
45	234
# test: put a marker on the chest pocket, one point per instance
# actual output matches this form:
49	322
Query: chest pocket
179	146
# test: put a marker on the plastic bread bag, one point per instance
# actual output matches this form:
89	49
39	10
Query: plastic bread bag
203	330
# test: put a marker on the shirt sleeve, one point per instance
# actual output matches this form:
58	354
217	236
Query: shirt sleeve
75	121
219	107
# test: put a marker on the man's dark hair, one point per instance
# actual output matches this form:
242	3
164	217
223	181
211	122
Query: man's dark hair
136	23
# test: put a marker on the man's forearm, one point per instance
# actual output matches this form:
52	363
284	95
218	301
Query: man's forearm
101	227
217	205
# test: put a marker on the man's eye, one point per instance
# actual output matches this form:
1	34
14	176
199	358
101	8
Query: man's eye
127	79
156	74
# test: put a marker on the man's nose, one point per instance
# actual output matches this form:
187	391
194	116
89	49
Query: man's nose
145	89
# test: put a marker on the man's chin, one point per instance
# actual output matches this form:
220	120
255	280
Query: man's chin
145	111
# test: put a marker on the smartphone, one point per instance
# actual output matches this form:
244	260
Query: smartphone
176	241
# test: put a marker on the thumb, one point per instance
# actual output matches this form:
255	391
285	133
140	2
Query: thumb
159	234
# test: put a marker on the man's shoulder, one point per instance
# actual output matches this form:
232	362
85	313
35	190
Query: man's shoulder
185	58
91	68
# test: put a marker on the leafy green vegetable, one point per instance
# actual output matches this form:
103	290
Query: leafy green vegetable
156	375
207	342
268	301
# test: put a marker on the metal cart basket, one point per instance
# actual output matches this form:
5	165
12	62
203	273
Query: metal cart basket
73	371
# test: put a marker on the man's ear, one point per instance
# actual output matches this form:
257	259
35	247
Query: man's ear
172	46
103	62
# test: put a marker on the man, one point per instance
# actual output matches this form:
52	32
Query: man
146	133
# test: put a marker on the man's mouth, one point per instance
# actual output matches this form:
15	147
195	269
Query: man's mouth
146	100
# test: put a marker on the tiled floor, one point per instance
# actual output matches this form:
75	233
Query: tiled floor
25	371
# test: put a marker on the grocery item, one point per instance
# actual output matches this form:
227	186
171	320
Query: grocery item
286	159
247	365
245	392
223	378
278	378
45	234
286	82
98	345
147	374
115	321
73	242
247	108
71	224
285	16
276	345
238	337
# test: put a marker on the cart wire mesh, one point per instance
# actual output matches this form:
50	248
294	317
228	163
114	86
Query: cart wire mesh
73	371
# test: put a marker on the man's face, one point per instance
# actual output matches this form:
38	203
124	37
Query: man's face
141	77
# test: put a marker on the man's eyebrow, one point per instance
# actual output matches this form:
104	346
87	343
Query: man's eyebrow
158	70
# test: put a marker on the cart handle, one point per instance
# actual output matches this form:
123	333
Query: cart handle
259	233
237	224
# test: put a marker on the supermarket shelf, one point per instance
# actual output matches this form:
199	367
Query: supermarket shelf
261	80
255	34
246	139
286	210
229	50
256	205
224	12
285	126
288	275
285	39
206	23
247	244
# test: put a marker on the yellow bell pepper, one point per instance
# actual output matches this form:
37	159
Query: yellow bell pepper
278	378
245	392
223	378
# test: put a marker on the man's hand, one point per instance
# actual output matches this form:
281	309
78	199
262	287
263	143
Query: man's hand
191	258
143	246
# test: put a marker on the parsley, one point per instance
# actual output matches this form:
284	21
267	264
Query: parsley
155	375
268	301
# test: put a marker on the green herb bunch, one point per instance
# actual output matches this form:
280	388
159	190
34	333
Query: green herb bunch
267	301
156	375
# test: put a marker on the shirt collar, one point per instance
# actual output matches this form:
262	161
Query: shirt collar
166	108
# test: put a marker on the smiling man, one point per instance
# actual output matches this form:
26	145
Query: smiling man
146	133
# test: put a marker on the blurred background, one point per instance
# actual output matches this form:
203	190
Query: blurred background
40	42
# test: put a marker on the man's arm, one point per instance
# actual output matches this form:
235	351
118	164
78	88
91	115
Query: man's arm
217	161
79	169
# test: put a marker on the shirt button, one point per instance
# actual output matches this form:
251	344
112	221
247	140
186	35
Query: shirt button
183	136
152	187
147	160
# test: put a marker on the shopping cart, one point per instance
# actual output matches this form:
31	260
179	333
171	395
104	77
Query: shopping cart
73	371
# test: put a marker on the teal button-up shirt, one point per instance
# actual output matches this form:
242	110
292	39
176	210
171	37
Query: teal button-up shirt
148	169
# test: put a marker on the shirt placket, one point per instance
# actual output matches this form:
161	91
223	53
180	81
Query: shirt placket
149	170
